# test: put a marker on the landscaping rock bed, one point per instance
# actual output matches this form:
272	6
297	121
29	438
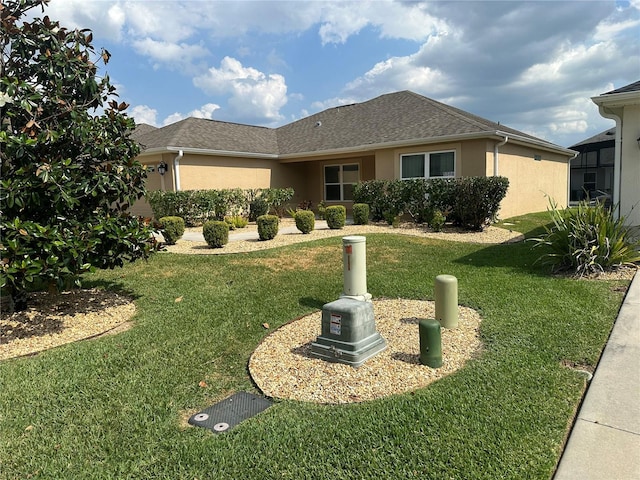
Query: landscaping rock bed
489	235
282	366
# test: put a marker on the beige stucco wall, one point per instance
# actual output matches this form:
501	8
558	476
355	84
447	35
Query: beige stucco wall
217	172
630	171
531	181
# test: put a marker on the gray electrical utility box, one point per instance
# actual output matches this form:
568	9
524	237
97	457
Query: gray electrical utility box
348	333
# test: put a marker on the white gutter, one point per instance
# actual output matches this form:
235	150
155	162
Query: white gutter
176	169
207	151
569	177
495	154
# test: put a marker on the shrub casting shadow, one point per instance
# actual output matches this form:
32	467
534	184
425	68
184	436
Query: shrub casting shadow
518	257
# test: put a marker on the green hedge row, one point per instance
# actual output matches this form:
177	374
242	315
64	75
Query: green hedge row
198	206
470	202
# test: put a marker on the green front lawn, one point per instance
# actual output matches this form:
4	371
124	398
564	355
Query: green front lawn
116	407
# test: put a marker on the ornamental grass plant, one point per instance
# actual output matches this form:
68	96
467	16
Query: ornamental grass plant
586	240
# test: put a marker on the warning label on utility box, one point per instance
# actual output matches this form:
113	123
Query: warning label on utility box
335	325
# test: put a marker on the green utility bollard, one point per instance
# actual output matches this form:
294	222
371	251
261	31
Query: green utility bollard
446	291
430	343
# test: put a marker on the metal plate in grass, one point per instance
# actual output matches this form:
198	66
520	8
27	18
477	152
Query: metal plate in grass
228	413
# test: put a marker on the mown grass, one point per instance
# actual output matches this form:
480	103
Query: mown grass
116	407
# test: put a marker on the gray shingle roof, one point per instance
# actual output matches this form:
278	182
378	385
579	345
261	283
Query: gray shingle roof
141	130
391	118
606	136
199	133
632	87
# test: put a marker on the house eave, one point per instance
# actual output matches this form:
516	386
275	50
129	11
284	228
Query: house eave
206	151
489	135
613	100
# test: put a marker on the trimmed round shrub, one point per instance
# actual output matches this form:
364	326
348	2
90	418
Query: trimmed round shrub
305	220
216	233
267	226
437	221
360	213
258	208
172	229
336	216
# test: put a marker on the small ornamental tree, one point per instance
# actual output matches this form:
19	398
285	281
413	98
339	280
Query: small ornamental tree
67	170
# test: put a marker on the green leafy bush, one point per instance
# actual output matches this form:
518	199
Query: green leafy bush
587	239
360	213
305	220
473	202
216	233
373	193
267	226
277	199
198	206
477	201
172	229
236	221
257	208
437	221
336	216
68	168
322	208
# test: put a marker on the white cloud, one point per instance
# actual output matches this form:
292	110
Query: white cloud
173	55
173	118
105	19
253	95
206	111
144	114
608	29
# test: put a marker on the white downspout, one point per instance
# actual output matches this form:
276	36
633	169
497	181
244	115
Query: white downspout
569	177
495	154
617	160
176	169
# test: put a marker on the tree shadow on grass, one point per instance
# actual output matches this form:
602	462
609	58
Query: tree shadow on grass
519	257
314	303
23	326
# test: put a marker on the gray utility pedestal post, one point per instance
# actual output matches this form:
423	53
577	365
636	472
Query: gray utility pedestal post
348	326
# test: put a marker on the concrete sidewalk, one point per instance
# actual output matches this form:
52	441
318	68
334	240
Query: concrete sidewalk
604	442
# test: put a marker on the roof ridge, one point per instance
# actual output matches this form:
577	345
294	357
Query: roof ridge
461	114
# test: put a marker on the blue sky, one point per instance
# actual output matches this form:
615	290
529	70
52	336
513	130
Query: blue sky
532	66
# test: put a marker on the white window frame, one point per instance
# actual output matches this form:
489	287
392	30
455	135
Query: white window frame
427	160
341	181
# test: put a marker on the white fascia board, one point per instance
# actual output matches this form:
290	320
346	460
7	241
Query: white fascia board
550	147
617	99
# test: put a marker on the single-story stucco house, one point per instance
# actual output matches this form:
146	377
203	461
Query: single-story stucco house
623	106
394	136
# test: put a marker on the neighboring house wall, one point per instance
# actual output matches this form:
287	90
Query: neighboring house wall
532	182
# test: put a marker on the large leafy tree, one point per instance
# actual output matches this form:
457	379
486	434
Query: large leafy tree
68	168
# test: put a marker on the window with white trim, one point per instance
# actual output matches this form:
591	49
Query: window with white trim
339	181
428	165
